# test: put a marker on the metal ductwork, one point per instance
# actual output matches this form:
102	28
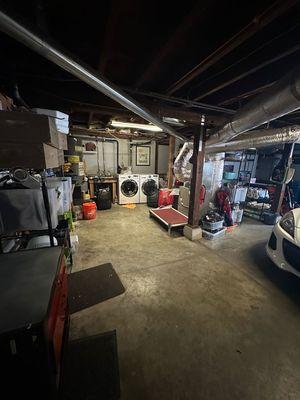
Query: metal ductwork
259	138
280	99
182	166
92	78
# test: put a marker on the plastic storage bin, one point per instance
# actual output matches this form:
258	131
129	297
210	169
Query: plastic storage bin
229	175
212	226
210	236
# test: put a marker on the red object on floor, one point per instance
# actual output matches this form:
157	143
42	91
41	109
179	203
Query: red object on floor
171	216
202	194
89	210
165	198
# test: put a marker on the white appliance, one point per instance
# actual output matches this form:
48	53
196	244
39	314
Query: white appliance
149	184
129	188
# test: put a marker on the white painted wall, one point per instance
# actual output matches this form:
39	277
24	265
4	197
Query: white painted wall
136	169
95	163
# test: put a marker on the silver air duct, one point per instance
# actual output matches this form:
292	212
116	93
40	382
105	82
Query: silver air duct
281	99
182	166
92	78
259	138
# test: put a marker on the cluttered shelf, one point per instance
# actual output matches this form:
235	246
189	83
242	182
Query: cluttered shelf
262	184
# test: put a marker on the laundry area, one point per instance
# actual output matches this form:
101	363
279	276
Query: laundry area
150	200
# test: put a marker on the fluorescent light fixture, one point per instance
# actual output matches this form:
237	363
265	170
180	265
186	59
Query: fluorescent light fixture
143	127
173	121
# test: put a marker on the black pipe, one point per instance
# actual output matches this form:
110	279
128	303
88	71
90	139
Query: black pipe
47	209
114	141
18	98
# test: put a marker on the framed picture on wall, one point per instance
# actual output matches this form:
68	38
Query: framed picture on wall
143	154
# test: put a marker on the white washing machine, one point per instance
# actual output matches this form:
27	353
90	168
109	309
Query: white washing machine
149	184
129	188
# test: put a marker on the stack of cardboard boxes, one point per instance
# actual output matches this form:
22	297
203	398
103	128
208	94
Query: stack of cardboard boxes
33	140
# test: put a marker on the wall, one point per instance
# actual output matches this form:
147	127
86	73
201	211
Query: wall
96	165
136	169
162	159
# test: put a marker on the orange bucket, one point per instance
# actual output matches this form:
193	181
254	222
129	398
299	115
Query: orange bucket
89	210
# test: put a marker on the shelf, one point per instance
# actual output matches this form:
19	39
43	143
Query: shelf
262	184
89	152
229	180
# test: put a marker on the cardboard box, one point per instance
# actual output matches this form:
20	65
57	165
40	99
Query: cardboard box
61	157
26	127
78	168
61	120
62	141
28	155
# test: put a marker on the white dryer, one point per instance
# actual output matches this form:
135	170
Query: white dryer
129	188
149	184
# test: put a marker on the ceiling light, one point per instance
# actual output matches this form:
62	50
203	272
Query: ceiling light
173	121
143	127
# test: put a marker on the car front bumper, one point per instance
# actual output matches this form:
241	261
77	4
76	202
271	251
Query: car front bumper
283	250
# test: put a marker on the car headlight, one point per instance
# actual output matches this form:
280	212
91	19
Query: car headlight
287	223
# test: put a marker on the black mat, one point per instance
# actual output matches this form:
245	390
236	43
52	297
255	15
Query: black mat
91	369
92	286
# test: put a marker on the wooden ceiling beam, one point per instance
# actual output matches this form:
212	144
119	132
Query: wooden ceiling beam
245	95
249	72
102	134
177	38
190	117
115	7
258	22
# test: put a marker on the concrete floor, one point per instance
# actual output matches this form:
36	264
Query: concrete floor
206	320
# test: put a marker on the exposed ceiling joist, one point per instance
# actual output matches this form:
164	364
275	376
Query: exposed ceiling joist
193	18
191	117
260	21
245	95
115	14
249	72
184	102
98	82
78	130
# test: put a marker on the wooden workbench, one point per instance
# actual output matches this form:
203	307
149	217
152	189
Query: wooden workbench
112	181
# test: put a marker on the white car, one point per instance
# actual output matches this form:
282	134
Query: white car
284	244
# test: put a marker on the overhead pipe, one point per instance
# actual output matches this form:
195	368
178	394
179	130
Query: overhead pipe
254	139
280	99
259	138
92	78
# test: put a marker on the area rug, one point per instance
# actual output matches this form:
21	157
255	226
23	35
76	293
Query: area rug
91	369
92	286
130	206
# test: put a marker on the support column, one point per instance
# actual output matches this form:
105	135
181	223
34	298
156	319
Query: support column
287	159
192	230
170	161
